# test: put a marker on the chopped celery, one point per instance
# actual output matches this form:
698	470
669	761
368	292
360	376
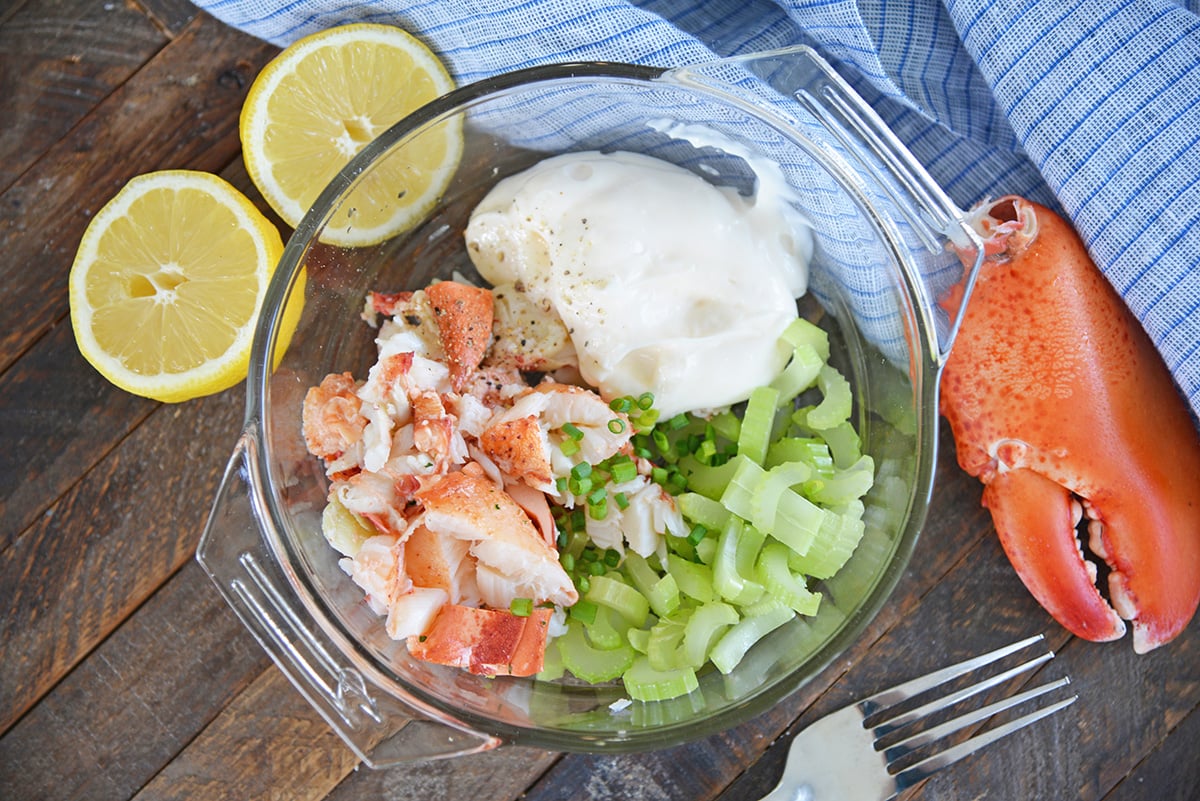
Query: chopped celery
738	496
589	663
781	583
801	332
638	639
661	592
605	633
705	479
694	580
844	485
844	444
645	683
835	406
620	597
729	583
552	664
799	374
733	645
758	423
704	510
779	479
662	647
839	534
706	550
704	628
726	425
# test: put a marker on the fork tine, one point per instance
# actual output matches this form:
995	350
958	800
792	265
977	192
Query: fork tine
902	692
946	701
933	733
915	773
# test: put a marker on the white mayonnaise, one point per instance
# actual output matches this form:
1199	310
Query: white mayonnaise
666	283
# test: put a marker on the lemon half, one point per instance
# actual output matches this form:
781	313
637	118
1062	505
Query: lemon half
168	282
320	101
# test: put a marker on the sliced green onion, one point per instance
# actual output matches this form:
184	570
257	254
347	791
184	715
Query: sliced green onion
624	404
584	611
622	500
521	607
569	447
678	421
616	425
645	401
572	431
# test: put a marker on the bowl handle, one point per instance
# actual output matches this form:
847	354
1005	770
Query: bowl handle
380	729
801	73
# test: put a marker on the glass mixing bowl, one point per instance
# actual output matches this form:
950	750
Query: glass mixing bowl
880	226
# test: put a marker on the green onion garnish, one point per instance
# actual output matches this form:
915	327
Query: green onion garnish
572	431
616	425
521	607
645	401
569	447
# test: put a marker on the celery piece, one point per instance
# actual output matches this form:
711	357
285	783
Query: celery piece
727	581
605	633
620	597
726	425
735	642
693	580
798	521
835	406
801	332
704	628
844	444
703	509
757	423
844	485
799	374
706	550
644	683
811	451
661	592
592	664
779	479
662	647
638	639
781	583
835	542
738	496
552	663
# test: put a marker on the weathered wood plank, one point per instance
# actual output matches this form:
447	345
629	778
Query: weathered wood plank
108	544
58	59
58	418
500	775
172	15
268	743
137	700
181	110
1171	772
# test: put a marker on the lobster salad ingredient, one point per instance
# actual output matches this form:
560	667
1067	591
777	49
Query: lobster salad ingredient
508	517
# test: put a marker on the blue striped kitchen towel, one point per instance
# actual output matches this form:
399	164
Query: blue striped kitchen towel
1091	106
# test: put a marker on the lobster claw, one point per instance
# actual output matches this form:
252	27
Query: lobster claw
1061	405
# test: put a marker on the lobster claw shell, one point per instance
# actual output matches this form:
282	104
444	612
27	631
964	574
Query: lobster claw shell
1061	405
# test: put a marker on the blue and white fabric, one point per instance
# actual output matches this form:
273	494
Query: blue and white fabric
1090	106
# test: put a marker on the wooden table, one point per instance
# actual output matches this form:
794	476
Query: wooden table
122	673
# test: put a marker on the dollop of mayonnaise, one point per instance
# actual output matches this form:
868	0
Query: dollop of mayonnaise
666	283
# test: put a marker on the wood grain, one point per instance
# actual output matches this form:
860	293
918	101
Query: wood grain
179	110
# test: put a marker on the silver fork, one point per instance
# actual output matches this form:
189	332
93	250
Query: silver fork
840	758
